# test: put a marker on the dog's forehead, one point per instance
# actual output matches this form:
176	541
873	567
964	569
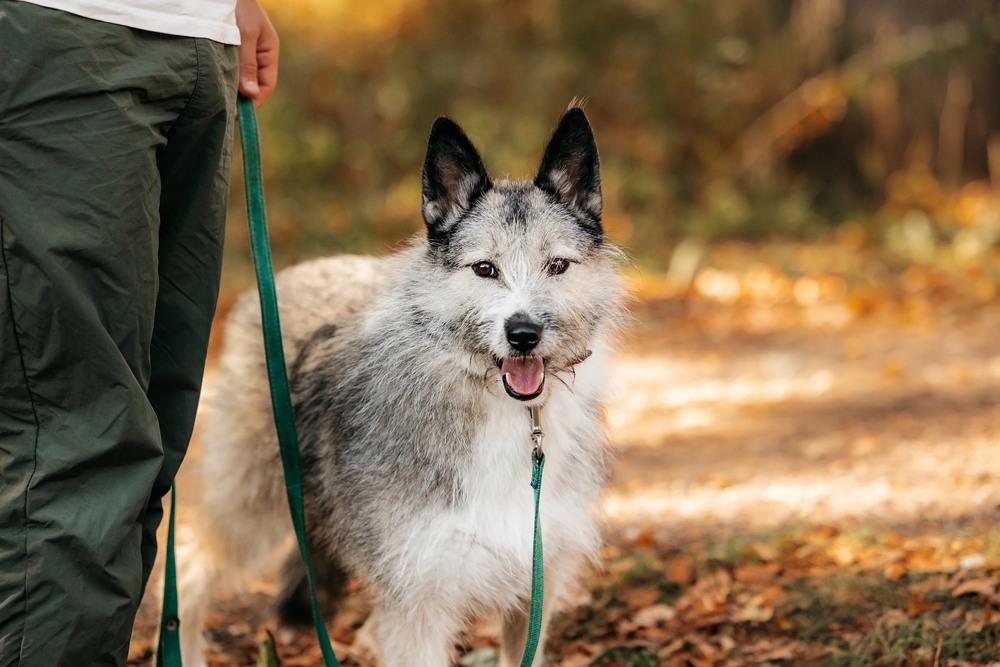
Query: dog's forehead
518	213
517	201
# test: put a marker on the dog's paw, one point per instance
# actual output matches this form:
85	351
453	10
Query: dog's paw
364	647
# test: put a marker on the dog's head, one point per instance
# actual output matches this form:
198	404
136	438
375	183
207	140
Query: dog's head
526	276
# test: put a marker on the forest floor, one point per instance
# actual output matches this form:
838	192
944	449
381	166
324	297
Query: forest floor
807	473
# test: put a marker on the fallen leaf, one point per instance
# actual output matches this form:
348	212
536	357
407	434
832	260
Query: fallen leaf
918	604
637	597
984	587
756	573
654	616
679	570
893	571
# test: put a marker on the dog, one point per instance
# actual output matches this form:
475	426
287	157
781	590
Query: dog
411	378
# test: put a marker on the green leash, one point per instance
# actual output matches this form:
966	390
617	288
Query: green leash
281	400
537	562
169	654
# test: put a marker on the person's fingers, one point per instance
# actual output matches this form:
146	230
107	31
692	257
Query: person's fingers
258	52
248	85
267	64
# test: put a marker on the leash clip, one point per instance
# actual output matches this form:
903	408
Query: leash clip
535	414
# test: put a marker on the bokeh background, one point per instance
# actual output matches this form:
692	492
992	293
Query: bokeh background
872	122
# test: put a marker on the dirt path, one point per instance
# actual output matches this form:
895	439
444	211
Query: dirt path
808	416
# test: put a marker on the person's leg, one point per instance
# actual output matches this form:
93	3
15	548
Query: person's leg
84	108
195	167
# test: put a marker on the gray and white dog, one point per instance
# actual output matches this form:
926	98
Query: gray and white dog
411	378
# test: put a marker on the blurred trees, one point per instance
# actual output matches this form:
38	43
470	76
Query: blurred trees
715	118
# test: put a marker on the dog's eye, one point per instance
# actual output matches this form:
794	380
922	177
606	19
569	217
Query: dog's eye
557	266
485	270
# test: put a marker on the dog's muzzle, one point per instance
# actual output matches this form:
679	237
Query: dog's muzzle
524	374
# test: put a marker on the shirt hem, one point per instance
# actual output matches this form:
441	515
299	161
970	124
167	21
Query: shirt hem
225	32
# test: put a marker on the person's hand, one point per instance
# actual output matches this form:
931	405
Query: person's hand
258	52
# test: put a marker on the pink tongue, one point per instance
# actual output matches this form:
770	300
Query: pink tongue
523	374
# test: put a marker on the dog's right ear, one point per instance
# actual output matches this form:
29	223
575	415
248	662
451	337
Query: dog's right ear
454	178
571	169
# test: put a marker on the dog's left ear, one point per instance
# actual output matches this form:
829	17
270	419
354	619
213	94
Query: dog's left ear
571	169
454	178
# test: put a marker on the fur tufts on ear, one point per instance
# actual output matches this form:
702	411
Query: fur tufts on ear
571	169
454	178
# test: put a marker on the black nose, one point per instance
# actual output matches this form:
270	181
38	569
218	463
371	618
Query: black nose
523	334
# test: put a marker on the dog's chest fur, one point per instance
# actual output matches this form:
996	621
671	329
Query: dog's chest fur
477	550
486	540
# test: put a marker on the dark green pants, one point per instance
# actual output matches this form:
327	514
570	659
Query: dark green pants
115	149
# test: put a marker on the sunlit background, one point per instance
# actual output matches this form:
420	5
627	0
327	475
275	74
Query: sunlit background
871	122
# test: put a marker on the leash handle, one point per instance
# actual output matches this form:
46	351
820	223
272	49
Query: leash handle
284	415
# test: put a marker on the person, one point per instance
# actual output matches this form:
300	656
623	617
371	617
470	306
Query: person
116	124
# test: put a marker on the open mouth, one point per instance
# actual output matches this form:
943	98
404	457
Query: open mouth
523	377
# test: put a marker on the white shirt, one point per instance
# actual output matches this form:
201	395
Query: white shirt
212	19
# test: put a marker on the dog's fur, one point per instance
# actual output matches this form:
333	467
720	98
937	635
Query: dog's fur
415	441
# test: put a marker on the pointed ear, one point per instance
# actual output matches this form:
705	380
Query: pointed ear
454	178
571	169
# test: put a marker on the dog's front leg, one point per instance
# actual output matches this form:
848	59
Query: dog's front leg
414	635
515	624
